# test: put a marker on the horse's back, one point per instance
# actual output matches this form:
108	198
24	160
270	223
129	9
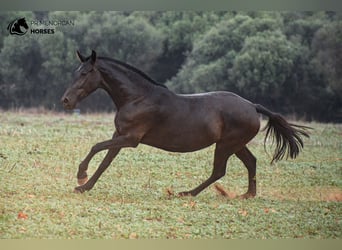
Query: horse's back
235	111
191	122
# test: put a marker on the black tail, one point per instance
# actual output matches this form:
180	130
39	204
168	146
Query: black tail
287	136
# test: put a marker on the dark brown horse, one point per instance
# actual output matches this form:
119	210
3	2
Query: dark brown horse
149	113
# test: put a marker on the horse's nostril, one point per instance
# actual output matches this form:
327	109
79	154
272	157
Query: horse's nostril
65	100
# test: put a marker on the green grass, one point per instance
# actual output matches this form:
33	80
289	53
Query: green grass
39	157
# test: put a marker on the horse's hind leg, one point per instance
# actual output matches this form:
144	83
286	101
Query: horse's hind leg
249	161
222	154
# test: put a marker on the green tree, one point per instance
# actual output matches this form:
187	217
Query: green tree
327	62
327	49
214	53
123	37
59	59
12	51
20	63
302	26
263	66
180	30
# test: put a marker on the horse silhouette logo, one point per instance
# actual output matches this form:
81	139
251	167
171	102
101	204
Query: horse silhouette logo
18	27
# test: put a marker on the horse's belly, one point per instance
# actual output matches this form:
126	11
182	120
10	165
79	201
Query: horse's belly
178	145
183	137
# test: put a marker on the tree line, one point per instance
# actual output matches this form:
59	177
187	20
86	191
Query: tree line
288	61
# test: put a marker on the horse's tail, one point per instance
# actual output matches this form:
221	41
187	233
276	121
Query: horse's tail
286	135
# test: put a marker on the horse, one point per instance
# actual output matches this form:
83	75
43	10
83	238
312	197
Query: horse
151	114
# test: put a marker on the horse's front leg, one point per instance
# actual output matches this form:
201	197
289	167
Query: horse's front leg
103	166
113	146
82	176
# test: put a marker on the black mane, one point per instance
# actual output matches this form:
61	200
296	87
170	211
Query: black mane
138	71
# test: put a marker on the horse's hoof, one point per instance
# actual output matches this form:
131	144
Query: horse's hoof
183	194
78	190
246	196
82	181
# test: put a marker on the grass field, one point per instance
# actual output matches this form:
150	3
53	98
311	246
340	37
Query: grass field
39	157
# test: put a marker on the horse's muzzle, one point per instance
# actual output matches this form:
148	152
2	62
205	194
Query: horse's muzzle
66	103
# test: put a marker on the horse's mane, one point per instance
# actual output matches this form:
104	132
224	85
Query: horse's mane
138	71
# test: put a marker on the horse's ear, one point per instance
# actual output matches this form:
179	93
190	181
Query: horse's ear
80	57
93	57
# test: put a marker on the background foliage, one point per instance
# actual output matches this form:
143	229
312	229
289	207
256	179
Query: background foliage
288	61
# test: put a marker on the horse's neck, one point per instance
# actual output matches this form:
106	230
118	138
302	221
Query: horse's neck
123	88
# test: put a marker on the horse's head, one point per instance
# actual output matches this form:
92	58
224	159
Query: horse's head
87	78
